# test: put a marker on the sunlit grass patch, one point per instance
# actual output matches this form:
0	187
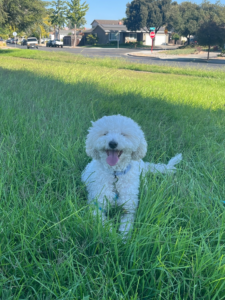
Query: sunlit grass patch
180	51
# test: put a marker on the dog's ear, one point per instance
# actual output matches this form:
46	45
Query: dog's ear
90	141
93	153
141	150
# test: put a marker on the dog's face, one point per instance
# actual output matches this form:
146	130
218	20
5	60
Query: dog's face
116	140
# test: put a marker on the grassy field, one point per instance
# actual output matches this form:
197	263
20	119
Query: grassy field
50	246
185	50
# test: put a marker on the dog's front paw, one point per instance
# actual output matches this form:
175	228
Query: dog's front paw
125	235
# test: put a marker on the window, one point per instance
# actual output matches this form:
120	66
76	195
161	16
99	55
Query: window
132	36
114	36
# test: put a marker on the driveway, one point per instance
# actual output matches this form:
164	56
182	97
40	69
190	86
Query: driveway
132	55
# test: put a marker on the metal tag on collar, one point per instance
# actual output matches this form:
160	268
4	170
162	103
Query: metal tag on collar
118	173
116	177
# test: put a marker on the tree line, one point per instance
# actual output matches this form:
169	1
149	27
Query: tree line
185	19
37	16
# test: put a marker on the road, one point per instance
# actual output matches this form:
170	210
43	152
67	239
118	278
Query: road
122	53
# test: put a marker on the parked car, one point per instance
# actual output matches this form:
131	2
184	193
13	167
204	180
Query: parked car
1	39
57	43
9	41
49	43
54	43
32	42
14	41
23	42
44	40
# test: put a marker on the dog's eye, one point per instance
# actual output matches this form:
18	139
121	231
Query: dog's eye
105	133
123	134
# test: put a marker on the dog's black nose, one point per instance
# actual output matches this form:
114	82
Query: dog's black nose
113	144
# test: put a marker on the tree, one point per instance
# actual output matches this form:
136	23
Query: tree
58	15
20	14
3	14
136	15
4	33
157	13
146	13
212	12
39	28
76	13
184	18
210	34
175	37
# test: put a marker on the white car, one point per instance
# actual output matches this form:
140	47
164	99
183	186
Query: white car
32	42
57	43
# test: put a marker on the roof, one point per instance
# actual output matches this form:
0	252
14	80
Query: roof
108	22
123	28
120	28
88	30
70	31
63	31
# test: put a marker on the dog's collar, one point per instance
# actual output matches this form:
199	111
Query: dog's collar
118	173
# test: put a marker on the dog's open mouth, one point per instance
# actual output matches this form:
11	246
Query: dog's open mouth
113	157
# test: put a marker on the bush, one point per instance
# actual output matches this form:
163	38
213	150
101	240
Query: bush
113	43
92	39
2	44
175	37
134	43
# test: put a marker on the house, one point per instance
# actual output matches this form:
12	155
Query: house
112	30
106	22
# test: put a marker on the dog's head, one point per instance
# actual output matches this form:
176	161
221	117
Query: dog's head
116	140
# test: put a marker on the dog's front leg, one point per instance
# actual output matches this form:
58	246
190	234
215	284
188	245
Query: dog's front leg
100	209
127	221
97	213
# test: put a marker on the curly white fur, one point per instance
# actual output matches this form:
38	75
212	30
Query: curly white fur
117	145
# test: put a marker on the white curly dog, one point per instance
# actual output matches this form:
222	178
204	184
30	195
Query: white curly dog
117	145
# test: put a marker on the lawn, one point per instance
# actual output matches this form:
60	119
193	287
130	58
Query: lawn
186	50
50	246
181	51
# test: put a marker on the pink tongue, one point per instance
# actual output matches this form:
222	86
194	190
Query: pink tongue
112	158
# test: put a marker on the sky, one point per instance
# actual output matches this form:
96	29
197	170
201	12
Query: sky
113	10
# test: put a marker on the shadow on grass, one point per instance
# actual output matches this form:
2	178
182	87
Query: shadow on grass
32	96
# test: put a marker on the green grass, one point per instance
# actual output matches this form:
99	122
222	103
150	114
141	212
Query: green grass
180	51
50	246
108	63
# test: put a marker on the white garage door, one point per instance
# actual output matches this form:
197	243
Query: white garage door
148	40
160	39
